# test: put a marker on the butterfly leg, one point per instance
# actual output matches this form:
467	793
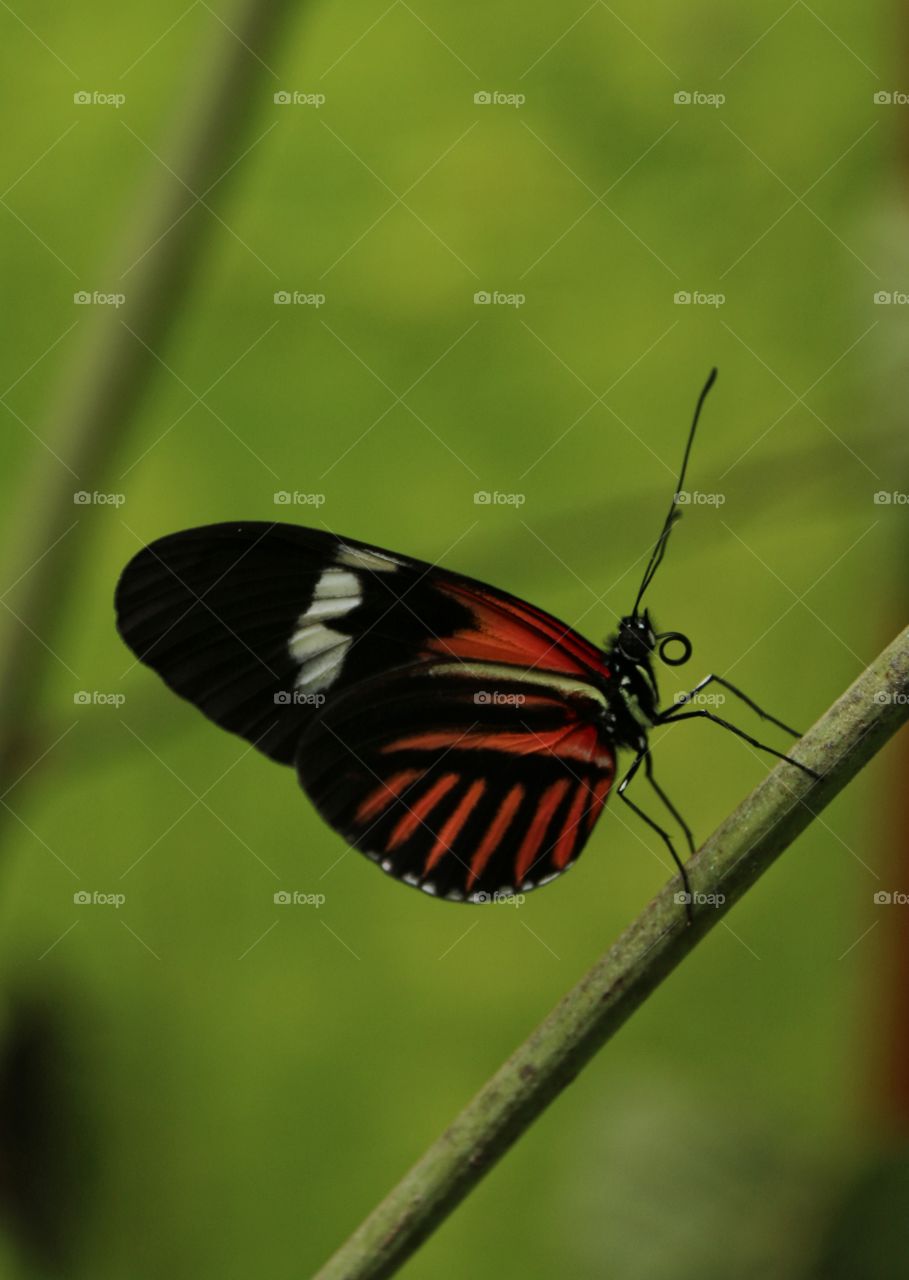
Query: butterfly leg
672	718
713	678
640	759
648	769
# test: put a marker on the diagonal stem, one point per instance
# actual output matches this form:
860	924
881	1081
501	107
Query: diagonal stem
740	850
96	406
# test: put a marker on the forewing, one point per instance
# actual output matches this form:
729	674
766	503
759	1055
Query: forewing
463	787
259	624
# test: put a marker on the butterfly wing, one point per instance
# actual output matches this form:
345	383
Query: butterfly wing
447	729
464	780
259	625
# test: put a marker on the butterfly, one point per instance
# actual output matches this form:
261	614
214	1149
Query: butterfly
461	738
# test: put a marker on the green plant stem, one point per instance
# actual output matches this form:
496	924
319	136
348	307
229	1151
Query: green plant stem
738	852
97	403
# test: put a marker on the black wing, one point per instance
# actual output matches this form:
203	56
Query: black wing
260	625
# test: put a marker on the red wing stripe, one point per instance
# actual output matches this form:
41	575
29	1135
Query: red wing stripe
538	824
381	797
600	792
420	809
499	825
561	854
453	824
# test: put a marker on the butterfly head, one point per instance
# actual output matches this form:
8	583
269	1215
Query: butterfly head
630	656
636	641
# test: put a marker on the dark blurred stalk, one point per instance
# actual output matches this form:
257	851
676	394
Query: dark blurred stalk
889	981
97	402
740	851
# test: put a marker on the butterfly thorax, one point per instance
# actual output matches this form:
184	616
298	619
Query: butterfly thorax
634	696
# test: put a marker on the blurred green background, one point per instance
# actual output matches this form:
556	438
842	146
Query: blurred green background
225	1086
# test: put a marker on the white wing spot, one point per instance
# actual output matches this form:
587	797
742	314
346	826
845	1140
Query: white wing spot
320	650
337	582
310	641
328	608
322	670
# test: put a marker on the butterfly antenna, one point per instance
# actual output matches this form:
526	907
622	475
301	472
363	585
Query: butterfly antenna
659	550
